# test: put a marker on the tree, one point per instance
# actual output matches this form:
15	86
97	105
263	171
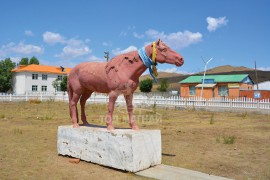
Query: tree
34	60
163	85
146	85
63	84
24	61
55	84
5	74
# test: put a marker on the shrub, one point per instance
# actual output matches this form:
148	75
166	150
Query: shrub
146	85
163	85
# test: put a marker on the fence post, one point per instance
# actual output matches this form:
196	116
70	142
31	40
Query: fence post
10	99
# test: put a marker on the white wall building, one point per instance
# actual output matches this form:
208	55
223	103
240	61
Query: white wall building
34	78
263	85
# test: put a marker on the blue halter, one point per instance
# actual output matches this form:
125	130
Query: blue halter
147	61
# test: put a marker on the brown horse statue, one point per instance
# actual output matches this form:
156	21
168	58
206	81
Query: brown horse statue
118	76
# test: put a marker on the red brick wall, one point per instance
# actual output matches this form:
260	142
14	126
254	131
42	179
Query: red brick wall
208	93
250	93
184	90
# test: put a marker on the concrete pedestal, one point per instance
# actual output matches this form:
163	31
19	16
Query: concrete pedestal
123	149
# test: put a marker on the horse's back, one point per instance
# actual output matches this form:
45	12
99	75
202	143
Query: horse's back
89	76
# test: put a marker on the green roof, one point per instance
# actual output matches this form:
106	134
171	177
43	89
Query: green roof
233	78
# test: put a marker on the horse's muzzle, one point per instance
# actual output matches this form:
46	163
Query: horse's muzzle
179	61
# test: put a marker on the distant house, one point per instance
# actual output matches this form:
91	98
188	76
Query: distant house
262	93
216	85
263	85
37	78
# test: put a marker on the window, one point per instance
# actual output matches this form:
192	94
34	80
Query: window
223	91
208	81
43	88
59	78
34	76
44	76
192	90
34	88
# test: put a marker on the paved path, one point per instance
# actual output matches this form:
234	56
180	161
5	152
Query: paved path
165	172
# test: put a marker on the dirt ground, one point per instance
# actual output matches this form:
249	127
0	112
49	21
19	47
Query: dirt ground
234	145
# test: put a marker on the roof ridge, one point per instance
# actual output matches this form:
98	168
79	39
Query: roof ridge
42	69
217	78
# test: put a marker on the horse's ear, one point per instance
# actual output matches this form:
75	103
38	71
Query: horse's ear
161	45
158	41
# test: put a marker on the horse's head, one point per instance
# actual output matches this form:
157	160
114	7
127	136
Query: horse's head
167	55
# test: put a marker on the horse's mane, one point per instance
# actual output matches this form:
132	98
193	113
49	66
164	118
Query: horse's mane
117	61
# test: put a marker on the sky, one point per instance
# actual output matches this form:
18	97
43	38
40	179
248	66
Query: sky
65	33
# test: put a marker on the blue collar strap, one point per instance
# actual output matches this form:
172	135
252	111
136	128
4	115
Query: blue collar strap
147	61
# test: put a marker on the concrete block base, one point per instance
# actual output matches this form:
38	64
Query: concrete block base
123	149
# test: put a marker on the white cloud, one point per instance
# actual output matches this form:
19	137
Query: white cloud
139	36
177	40
20	48
53	38
214	23
96	59
169	70
28	33
16	59
174	70
72	52
27	49
74	48
264	68
118	51
75	42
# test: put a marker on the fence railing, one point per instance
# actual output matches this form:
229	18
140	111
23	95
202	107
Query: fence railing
146	100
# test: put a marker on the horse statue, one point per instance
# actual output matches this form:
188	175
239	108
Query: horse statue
118	76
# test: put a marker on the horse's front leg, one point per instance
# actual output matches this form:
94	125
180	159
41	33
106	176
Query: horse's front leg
112	98
132	123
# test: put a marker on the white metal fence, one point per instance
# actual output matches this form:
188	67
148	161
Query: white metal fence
146	100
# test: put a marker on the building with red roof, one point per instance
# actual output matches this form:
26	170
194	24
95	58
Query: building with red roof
37	78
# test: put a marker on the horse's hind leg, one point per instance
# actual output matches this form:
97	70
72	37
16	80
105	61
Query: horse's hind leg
83	99
73	109
112	98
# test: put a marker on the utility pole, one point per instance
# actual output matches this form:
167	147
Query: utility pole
205	68
256	76
107	55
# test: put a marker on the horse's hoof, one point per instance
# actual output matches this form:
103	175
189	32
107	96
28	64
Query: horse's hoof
76	125
86	124
110	128
135	127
